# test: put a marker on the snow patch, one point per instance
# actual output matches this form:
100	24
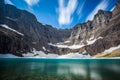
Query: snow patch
66	46
44	48
91	38
8	56
100	38
28	54
74	55
111	49
11	19
5	26
89	42
41	54
66	41
76	46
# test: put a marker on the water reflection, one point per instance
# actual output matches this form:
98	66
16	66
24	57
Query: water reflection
45	69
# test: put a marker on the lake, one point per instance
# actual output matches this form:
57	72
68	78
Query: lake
59	69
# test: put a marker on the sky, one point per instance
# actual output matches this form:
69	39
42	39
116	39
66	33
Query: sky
63	14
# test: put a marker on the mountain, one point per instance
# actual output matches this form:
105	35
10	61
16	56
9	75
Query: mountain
36	35
102	33
20	32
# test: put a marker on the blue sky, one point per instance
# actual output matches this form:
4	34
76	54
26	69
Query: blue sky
63	13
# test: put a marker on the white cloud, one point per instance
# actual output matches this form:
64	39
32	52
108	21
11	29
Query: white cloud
65	12
112	8
103	5
32	2
8	2
80	8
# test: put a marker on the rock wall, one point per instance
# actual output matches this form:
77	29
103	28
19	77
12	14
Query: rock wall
105	24
36	35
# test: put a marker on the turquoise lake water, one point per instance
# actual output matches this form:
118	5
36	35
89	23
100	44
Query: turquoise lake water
59	69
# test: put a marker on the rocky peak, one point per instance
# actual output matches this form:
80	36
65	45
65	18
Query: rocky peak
9	9
86	30
86	25
116	9
95	30
101	18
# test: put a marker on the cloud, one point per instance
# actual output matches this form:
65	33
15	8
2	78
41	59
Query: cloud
102	5
8	2
31	2
65	12
112	8
80	8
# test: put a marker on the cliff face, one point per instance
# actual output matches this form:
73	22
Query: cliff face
97	35
36	35
91	29
116	10
12	42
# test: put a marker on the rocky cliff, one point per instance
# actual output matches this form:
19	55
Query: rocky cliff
99	34
91	37
36	35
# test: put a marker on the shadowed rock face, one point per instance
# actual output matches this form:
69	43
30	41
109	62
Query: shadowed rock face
36	35
105	24
11	42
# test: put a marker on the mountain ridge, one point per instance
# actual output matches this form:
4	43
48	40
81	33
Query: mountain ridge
91	37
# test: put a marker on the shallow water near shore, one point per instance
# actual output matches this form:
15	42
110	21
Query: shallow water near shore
59	69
